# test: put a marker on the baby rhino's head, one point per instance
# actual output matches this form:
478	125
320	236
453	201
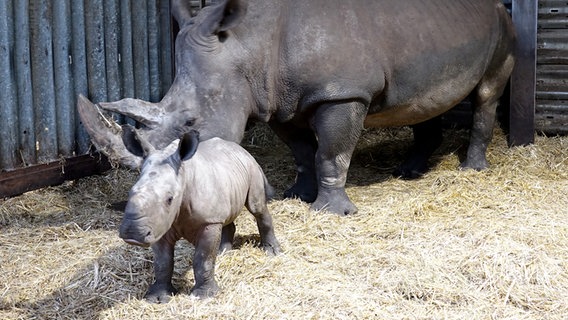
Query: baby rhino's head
154	201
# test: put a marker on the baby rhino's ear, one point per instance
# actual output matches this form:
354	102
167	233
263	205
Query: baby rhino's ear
188	145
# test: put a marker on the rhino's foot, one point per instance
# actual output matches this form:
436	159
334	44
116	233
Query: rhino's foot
334	200
306	193
412	168
224	247
477	164
160	293
205	290
271	247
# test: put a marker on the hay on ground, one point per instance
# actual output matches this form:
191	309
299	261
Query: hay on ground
451	245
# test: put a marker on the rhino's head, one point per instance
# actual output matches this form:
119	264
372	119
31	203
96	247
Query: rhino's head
209	94
154	201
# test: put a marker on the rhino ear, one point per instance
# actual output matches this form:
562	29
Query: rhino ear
134	142
225	16
188	145
181	10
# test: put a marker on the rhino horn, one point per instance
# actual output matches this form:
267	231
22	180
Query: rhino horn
105	134
147	113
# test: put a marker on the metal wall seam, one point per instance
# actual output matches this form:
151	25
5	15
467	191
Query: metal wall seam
79	67
154	48
166	67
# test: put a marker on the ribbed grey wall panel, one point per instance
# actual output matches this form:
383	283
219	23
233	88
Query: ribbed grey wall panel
23	73
53	50
8	95
551	112
65	113
140	51
41	34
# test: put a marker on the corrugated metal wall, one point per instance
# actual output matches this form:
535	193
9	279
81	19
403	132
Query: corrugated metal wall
551	113
53	50
198	4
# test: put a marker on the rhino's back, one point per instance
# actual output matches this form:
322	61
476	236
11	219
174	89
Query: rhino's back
417	51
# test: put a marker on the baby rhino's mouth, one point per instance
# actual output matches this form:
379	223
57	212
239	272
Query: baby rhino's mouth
136	243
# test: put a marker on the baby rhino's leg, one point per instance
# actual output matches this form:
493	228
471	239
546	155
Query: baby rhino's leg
207	244
256	204
162	289
265	228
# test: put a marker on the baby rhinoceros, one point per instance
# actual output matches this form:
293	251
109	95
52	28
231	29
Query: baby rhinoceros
191	192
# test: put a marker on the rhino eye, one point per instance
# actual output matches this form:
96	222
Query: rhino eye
189	123
169	201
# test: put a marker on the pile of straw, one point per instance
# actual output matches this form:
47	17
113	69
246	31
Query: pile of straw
451	245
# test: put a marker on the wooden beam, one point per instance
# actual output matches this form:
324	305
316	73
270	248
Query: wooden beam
39	176
523	79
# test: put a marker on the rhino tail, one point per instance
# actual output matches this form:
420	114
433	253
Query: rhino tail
269	191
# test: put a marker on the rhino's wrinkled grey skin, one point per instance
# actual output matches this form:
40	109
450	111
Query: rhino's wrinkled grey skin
319	71
191	192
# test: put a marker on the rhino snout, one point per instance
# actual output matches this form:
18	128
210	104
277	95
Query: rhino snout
135	233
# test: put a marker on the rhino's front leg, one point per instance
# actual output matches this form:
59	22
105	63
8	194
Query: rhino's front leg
227	237
302	142
162	289
338	128
206	247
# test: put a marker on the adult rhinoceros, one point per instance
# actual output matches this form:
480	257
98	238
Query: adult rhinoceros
319	71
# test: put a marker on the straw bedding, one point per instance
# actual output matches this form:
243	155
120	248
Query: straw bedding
452	245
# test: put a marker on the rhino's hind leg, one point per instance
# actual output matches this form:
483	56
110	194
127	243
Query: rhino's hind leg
480	137
268	240
303	145
486	95
338	127
162	289
208	241
256	204
427	138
